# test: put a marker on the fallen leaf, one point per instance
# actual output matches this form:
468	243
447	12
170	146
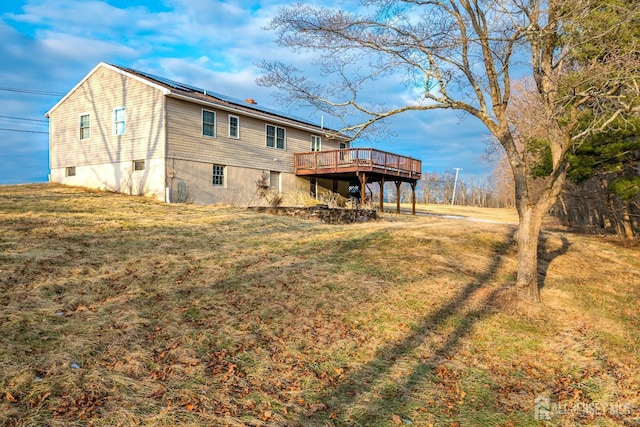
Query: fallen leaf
316	407
396	420
266	415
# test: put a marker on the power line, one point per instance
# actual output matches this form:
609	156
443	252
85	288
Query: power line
31	91
23	118
25	131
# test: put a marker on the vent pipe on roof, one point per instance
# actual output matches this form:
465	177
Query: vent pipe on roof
250	101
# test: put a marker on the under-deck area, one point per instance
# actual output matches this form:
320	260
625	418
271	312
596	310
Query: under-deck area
362	166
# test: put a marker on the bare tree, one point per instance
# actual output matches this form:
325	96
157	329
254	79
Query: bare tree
459	54
503	184
429	183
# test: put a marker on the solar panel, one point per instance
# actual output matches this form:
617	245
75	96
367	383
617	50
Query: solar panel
169	82
230	99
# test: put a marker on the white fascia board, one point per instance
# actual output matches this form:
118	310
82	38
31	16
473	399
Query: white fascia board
164	90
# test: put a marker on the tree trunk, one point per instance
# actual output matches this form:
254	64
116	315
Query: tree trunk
527	239
626	221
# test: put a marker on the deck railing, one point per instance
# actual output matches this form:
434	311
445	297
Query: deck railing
355	160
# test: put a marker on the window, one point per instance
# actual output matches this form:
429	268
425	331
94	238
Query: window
208	123
218	175
315	143
85	126
234	127
275	137
138	165
70	171
119	123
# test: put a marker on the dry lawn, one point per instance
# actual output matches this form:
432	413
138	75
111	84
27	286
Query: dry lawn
118	310
472	213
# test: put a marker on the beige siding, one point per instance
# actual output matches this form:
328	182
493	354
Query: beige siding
103	91
186	142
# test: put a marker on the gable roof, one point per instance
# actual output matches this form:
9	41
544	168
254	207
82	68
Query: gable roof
205	97
91	73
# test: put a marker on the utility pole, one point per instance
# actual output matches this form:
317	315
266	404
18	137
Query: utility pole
455	183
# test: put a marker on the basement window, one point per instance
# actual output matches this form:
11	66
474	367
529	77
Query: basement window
138	165
218	175
70	171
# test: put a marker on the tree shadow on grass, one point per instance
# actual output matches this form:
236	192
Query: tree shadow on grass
349	393
546	254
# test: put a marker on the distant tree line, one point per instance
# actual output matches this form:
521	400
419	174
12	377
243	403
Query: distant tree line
602	194
438	188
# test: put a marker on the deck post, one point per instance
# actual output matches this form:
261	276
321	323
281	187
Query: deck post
413	197
363	188
398	196
382	194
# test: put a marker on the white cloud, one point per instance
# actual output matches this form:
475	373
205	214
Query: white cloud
70	47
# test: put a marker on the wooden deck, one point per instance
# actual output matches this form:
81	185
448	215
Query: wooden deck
354	161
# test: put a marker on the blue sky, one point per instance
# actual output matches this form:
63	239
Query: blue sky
49	45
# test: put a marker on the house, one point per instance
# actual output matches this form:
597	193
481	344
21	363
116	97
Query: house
129	131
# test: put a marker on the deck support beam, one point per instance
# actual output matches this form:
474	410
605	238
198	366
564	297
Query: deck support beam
413	197
382	194
363	188
398	196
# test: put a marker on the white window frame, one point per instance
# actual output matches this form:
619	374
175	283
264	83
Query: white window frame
275	137
116	121
278	176
316	143
237	135
343	146
88	126
214	124
223	175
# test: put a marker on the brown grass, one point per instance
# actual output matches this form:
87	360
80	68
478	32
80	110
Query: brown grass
118	310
